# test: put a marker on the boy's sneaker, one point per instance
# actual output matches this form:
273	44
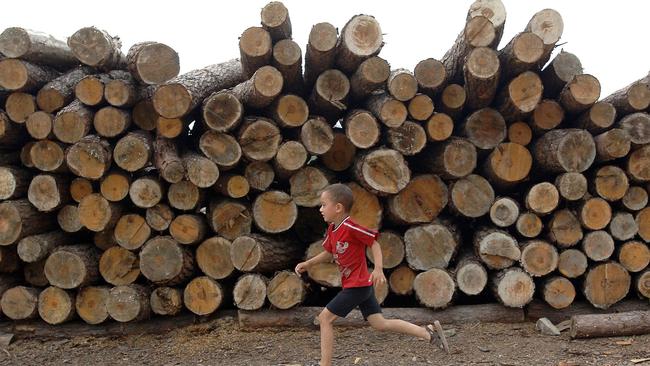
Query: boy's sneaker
438	335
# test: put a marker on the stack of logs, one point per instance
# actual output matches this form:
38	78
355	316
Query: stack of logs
129	190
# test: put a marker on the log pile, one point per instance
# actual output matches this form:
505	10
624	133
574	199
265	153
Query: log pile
493	172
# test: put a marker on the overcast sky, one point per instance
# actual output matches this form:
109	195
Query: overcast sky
610	38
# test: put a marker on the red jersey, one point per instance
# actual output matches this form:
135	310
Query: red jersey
348	243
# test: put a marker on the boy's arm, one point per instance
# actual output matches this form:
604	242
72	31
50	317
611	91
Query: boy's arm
377	275
324	256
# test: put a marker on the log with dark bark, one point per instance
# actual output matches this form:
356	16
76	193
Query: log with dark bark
361	38
521	54
408	139
152	62
610	325
12	135
431	76
329	95
222	111
632	98
59	92
97	48
320	52
287	58
565	150
580	93
479	31
261	89
559	72
388	110
341	153
22	76
164	262
18	219
440	237
37	47
38	247
72	266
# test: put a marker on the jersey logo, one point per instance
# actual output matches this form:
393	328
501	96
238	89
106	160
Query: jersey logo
341	247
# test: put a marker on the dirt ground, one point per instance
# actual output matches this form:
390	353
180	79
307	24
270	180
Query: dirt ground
223	342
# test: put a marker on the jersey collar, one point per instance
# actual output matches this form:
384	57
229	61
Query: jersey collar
344	220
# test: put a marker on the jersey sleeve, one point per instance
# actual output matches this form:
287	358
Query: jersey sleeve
363	235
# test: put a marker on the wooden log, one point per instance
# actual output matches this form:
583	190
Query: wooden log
612	144
538	309
548	25
146	192
542	198
287	59
388	110
317	136
255	50
420	107
366	210
636	126
48	192
610	325
171	127
453	158
402	85
421	201
496	248
90	157
408	139
371	75
274	212
634	255
184	196
572	263
232	185
580	93
382	171
90	89
12	135
481	74
203	295
642	284
180	95
632	98
259	175
275	19
56	306
96	213
131	232
513	287
452	100
133	151
522	53
329	95
291	156
250	291
564	228
222	111
213	257
441	238
119	266
558	292
35	46
38	125
361	128
229	218
286	290
257	253
152	62
72	266
470	276
20	302
159	217
22	76
164	262
321	50
494	10
439	127
97	48
479	31
471	196
188	229
306	185
565	150
538	257
38	247
111	121
508	164
259	139
341	154
326	274
547	115
636	164
520	133
598	118
623	226
18	219
80	188
392	249
14	182
129	303
434	288
60	92
361	38
68	219
504	211
559	72
19	106
166	301
431	76
484	128
115	185
519	99
290	111
261	89
606	284
72	123
594	213
223	149
635	199
609	182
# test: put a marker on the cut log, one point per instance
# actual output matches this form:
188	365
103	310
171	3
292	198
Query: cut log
97	48
520	98
306	185
90	157
286	290
68	219
250	291
133	151
60	92
538	258
287	59
131	232
37	47
115	185
421	201
434	288
367	209
90	89
111	121
521	54
96	213
612	144
22	76
229	218
479	31
453	158
470	275
402	85
233	186
558	292
382	171
326	274
547	115
38	125
275	19
180	95
171	127
35	248
520	133
598	118
542	198
606	284
580	93
20	302
637	164
481	73
471	196
420	108
255	49
494	10
504	211
565	150
291	156
595	213
637	126
48	192
623	226
635	199
361	128
221	148
548	25
259	175
261	89
159	217
452	100
72	266
634	256
513	287
56	306
259	139
72	123
119	266
329	95
213	257
484	128
572	263
122	90
392	249
496	248
184	196
317	136
164	262
320	53
431	246
564	228
439	127
632	98
341	153
609	182
14	182
370	76
129	303
508	164
19	106
559	72
361	38
274	212
610	325
90	304
290	111
188	229
203	295
431	76
642	284
146	192
408	139
19	219
388	110
80	188
166	301
257	253
222	111
152	62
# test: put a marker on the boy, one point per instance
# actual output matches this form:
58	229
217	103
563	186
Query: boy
346	242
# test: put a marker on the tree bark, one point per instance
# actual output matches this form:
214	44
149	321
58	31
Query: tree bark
255	50
610	325
632	98
481	74
35	248
519	99
73	122
166	301
371	75
22	76
19	219
60	92
37	47
580	93
262	254
479	31
320	53
261	89
287	59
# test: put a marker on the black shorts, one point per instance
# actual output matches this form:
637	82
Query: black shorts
348	299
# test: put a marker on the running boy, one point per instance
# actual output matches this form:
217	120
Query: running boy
346	243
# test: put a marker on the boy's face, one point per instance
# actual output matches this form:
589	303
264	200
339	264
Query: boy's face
329	209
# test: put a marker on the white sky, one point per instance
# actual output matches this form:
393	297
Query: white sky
610	38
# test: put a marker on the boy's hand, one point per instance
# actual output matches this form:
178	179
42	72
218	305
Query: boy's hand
301	267
377	277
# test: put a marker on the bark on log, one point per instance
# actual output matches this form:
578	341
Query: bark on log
261	89
72	266
19	219
152	62
565	150
255	49
73	122
9	261
481	73
606	284
453	158
229	218
431	76
329	95
320	53
471	196
213	257
286	290
129	303
250	291
203	295
421	201
370	76
361	38
572	263
538	258
287	59
14	182
257	253
275	19
60	92
559	72
580	93
612	144
97	48
382	171
22	76
479	31
441	238
610	325
96	213
513	287
274	212
599	118
37	47
434	288
522	53
164	262
388	110
166	301
496	248
38	247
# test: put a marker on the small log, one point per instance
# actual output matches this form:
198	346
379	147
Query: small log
481	73
306	185
159	217
606	284
402	85
504	211
213	257
37	47
133	151
255	49
119	266
326	274
14	182
221	148
111	121
68	219
166	301
361	38
520	133
496	248
392	249
572	263
290	111
599	118
129	303
286	290
38	125
152	62
635	199
131	232
642	284
558	292
72	266
22	76
320	53
287	59
250	291
115	185
632	98
97	48
513	287
329	95
19	106
439	127
274	212
508	164
623	226
317	136
453	158
80	188
48	192
90	89
564	228
612	144
547	115
521	54
146	192
232	185
421	201
452	100
484	128
184	196
229	218
261	89
171	127
542	198
431	76
636	125
19	219
164	262
259	139
188	229
434	288
580	93
471	196
361	128
72	123
634	256
222	111
420	107
559	72
594	213
610	325
441	238
479	31
291	156
90	157
548	25
609	182
20	302
203	295
259	175
275	19
388	110
371	75
257	253
382	171
366	210
519	99
471	276
538	258
341	153
96	213
56	306
35	248
636	164
494	10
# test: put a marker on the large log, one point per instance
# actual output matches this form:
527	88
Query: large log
90	304
97	48
598	118
441	238
223	149
232	185
471	196
250	291
320	53
342	153
452	100
68	219
229	218
96	213
434	288
257	253
152	62
382	171
580	93
504	211
287	59
35	46
291	156
159	217
317	136
72	266
19	106
610	325
59	92
20	302
275	19
22	76
408	139
164	262
431	76
114	186
38	247
370	76
485	128
306	185
421	201
366	210
565	150
542	198
286	290
146	192
73	122
133	151
508	164
213	257
129	303
538	258
274	212
606	284
329	95
261	89
326	274
19	219
402	85
558	292
90	89
609	182
361	128
259	139
255	49
361	38
203	295
222	111
188	229
38	125
637	163
56	306
513	287
623	226
635	199
496	248
547	115
185	195
111	122
548	25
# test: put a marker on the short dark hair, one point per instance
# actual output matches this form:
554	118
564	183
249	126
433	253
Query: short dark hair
340	193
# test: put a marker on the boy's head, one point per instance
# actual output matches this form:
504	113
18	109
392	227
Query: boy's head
336	202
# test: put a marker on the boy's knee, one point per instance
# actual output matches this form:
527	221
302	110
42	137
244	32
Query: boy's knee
379	324
325	317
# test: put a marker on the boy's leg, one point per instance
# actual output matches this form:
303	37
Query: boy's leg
326	318
377	321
